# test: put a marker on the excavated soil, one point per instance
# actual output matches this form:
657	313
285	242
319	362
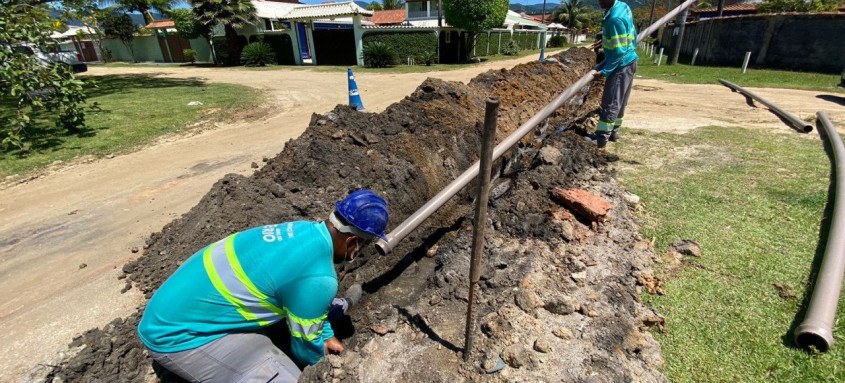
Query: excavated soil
559	295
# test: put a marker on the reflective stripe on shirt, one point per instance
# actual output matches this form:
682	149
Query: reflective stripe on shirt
223	268
308	329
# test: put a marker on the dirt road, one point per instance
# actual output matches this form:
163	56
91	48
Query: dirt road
65	236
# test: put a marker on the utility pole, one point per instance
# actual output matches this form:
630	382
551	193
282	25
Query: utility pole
543	17
720	8
680	23
651	15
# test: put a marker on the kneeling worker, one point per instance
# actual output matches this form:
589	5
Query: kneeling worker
205	322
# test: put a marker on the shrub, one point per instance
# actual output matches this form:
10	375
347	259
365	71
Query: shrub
427	58
557	41
379	55
407	44
190	55
258	54
511	48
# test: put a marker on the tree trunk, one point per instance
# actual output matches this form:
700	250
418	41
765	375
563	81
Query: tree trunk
232	44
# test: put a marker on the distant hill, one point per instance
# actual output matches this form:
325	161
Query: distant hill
363	4
534	7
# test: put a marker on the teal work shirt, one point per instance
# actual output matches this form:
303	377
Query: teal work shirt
619	38
245	282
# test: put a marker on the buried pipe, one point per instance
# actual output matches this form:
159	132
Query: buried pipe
817	328
412	222
797	123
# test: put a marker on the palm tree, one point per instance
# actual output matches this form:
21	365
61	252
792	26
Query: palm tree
145	7
571	15
232	14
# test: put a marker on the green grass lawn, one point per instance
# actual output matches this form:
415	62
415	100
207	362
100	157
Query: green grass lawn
755	201
123	113
686	74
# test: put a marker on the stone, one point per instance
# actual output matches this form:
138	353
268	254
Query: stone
562	305
583	202
527	300
195	103
579	277
83	265
338	135
134	249
542	345
550	155
563	333
379	329
514	356
631	199
686	247
254	165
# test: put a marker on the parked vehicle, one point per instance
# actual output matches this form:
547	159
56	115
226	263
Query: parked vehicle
70	58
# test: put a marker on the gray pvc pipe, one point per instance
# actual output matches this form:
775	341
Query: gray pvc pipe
797	123
817	328
412	222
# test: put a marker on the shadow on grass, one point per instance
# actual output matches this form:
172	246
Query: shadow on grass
833	99
43	135
112	84
824	229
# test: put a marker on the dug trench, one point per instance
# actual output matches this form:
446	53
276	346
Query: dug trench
559	297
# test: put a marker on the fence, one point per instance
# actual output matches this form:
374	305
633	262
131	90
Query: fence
147	49
807	42
493	41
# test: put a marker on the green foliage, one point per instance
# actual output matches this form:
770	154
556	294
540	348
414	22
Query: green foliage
231	14
258	53
511	48
557	41
28	85
799	6
145	7
118	25
379	55
190	55
392	4
475	15
220	46
426	58
375	6
406	44
186	23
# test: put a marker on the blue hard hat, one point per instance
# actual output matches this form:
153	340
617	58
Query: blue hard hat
366	211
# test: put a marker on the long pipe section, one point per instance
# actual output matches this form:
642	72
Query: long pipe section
411	223
817	328
797	123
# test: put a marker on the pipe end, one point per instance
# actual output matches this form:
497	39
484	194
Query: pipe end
815	336
808	128
383	247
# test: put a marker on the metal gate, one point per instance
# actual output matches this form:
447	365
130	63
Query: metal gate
334	46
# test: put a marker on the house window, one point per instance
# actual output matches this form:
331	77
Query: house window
274	25
417	9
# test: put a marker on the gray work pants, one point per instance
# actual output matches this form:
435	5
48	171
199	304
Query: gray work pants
238	358
617	88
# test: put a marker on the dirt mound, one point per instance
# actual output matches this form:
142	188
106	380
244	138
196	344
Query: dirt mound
545	275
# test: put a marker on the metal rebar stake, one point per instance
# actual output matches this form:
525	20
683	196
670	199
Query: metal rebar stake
488	139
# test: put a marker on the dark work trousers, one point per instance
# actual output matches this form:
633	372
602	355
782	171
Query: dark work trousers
617	88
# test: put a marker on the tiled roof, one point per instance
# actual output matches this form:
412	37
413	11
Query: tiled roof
160	24
432	27
321	11
729	8
272	9
393	16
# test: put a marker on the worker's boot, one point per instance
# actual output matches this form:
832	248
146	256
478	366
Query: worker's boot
598	138
614	134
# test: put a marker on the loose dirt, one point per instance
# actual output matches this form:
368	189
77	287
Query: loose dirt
559	298
94	213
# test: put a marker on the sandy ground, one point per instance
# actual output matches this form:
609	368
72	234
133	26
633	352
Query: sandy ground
64	236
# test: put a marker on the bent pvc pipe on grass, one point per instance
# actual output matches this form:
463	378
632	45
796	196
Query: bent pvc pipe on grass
817	328
797	123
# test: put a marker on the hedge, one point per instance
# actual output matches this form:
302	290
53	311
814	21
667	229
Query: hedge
407	44
481	44
495	47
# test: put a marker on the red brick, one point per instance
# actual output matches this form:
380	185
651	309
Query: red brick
584	203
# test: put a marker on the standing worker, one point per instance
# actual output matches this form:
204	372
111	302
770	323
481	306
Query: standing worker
205	323
619	41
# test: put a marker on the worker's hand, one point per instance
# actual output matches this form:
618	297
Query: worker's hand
597	75
595	45
333	346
